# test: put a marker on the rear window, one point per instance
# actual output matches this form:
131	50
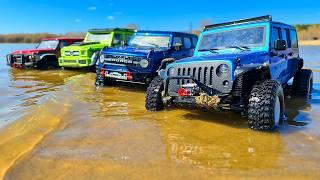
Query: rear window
288	38
294	39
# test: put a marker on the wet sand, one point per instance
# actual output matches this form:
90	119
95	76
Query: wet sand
57	125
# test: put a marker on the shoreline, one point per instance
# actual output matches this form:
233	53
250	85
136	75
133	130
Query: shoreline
309	43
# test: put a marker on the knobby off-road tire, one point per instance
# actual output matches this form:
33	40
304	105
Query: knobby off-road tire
99	80
266	105
303	83
102	81
48	63
154	101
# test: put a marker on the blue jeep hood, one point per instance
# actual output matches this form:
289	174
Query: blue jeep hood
246	57
130	51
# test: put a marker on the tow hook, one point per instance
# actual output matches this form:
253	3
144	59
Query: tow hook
183	92
102	72
128	75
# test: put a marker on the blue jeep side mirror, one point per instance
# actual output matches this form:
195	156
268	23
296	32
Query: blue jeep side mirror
280	45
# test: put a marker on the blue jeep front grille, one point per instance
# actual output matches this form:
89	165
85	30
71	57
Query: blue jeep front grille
122	60
202	74
20	58
205	72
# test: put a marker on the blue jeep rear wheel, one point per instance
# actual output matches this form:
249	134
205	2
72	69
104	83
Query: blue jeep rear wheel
303	82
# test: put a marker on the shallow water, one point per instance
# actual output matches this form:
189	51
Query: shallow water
56	125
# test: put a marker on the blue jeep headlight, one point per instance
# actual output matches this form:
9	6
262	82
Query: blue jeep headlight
223	69
171	71
144	63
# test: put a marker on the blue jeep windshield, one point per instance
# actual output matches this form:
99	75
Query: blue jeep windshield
153	41
49	44
241	37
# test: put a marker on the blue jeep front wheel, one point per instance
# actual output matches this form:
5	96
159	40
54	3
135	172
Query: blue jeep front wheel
266	105
154	101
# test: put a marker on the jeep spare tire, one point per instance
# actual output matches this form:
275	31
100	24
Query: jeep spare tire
266	105
303	82
154	101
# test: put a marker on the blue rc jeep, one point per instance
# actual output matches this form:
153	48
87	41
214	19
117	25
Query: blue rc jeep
146	52
241	66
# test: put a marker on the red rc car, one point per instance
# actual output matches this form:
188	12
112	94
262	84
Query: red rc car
44	56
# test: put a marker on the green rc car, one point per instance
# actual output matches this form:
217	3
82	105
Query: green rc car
86	53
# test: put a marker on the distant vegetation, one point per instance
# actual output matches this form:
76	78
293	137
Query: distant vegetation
34	37
305	32
308	31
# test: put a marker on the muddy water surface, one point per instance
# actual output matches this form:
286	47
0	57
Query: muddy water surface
56	125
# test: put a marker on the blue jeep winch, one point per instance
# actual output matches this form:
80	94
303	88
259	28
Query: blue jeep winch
242	66
146	52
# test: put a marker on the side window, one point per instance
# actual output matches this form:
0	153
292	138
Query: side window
63	44
294	39
127	38
194	41
187	43
288	38
177	40
117	39
275	36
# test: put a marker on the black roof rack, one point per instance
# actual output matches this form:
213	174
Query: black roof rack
267	18
102	30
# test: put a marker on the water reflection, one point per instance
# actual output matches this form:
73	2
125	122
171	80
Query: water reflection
295	106
29	86
207	140
219	141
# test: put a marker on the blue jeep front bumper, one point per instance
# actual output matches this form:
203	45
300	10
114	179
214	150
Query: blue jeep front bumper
124	73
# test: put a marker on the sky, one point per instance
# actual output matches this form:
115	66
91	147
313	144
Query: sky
61	16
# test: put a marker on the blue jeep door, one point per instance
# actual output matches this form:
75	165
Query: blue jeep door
278	61
292	52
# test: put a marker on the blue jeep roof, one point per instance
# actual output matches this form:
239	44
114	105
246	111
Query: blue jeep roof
165	32
267	18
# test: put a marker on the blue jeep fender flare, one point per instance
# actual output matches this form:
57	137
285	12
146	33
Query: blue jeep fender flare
163	66
165	62
260	68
